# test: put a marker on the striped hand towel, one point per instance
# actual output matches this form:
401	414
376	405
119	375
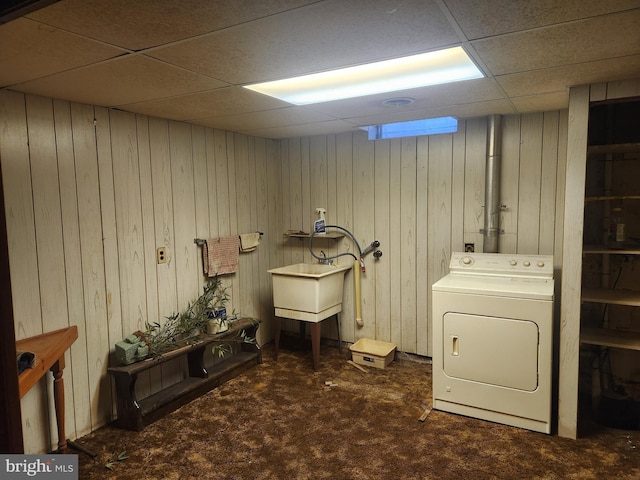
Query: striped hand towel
220	255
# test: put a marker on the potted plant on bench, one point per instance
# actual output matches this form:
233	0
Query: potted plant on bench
182	327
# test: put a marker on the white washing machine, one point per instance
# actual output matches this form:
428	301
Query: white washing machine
493	339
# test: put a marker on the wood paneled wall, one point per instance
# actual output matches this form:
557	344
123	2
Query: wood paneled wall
91	193
422	198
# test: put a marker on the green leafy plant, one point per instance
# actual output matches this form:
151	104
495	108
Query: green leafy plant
220	350
110	464
163	337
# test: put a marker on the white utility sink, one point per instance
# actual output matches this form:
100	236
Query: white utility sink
308	291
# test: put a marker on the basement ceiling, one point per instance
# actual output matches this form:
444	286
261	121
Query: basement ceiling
188	59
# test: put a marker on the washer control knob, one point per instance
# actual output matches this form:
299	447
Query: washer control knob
526	263
541	264
513	263
467	260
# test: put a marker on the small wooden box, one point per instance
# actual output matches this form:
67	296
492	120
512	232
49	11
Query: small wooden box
373	353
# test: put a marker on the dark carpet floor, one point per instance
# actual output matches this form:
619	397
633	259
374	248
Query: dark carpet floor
282	420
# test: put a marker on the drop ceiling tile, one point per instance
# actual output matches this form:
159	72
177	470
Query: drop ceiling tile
30	50
478	18
142	24
542	103
133	78
470	110
264	119
307	130
469	91
321	36
223	101
558	78
593	39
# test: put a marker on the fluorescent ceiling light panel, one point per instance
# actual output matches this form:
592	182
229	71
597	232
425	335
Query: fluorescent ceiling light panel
432	68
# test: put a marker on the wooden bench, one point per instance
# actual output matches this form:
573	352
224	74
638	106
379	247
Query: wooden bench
134	414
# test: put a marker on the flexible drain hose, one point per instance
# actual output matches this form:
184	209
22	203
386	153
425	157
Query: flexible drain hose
356	267
356	273
349	234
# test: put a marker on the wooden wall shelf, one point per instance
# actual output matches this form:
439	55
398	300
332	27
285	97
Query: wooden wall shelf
614	148
329	235
611	338
616	297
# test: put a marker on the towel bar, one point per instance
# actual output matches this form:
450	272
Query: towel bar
201	241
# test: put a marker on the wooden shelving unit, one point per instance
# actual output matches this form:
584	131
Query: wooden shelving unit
614	297
603	250
616	148
607	337
611	337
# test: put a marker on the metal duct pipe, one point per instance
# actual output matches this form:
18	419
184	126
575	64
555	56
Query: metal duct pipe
491	228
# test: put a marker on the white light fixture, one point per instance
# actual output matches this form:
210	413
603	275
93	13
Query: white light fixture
432	68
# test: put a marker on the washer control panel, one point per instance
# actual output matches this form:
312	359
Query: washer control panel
502	264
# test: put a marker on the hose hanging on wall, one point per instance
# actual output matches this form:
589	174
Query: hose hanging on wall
358	264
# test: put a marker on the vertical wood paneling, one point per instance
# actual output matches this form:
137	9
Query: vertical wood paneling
46	207
382	215
307	215
214	152
47	215
21	240
509	183
201	196
243	202
344	217
364	219
222	194
317	198
262	263
78	400
109	228
548	183
443	215
164	234
254	194
151	377
21	234
572	262
129	184
408	244
424	241
476	149
457	195
186	261
529	183
439	216
296	204
129	228
393	250
229	223
273	232
561	178
92	255
332	194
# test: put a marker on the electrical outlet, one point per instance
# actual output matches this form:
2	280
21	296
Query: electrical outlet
162	255
469	247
